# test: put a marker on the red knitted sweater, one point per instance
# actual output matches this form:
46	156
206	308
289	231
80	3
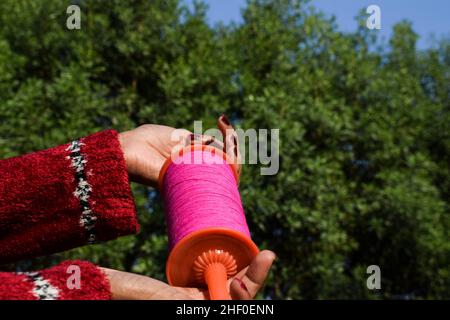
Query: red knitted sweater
57	199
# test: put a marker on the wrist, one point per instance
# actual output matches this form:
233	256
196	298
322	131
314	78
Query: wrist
126	141
122	137
130	286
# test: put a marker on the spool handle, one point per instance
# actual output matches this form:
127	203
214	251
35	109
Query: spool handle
216	279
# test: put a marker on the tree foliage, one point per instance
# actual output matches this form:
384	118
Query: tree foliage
364	129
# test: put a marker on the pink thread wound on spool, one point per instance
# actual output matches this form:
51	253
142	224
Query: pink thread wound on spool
200	192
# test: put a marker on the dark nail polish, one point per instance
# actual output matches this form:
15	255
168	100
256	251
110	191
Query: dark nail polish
242	284
225	119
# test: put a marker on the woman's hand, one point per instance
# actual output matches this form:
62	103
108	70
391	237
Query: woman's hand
243	286
147	147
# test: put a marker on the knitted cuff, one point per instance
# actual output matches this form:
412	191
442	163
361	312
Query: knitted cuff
70	280
103	188
64	197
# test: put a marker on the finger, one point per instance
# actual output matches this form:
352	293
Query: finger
231	142
185	138
199	139
182	138
178	140
255	275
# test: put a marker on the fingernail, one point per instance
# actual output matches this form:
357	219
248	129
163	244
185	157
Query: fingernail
242	284
210	141
191	137
225	119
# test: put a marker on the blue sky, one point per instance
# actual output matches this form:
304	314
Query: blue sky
428	16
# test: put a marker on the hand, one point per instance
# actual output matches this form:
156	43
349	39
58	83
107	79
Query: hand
147	147
243	286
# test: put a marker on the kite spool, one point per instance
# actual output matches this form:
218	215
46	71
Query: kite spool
209	240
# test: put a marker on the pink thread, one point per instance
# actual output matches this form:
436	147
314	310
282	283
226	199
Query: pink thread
201	194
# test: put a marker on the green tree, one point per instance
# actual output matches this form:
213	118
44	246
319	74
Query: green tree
364	130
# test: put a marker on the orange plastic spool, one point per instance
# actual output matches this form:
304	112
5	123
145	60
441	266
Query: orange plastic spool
210	256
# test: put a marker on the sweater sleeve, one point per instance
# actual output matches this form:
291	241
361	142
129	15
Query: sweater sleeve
67	196
70	280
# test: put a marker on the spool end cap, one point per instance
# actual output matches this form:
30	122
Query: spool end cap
233	248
